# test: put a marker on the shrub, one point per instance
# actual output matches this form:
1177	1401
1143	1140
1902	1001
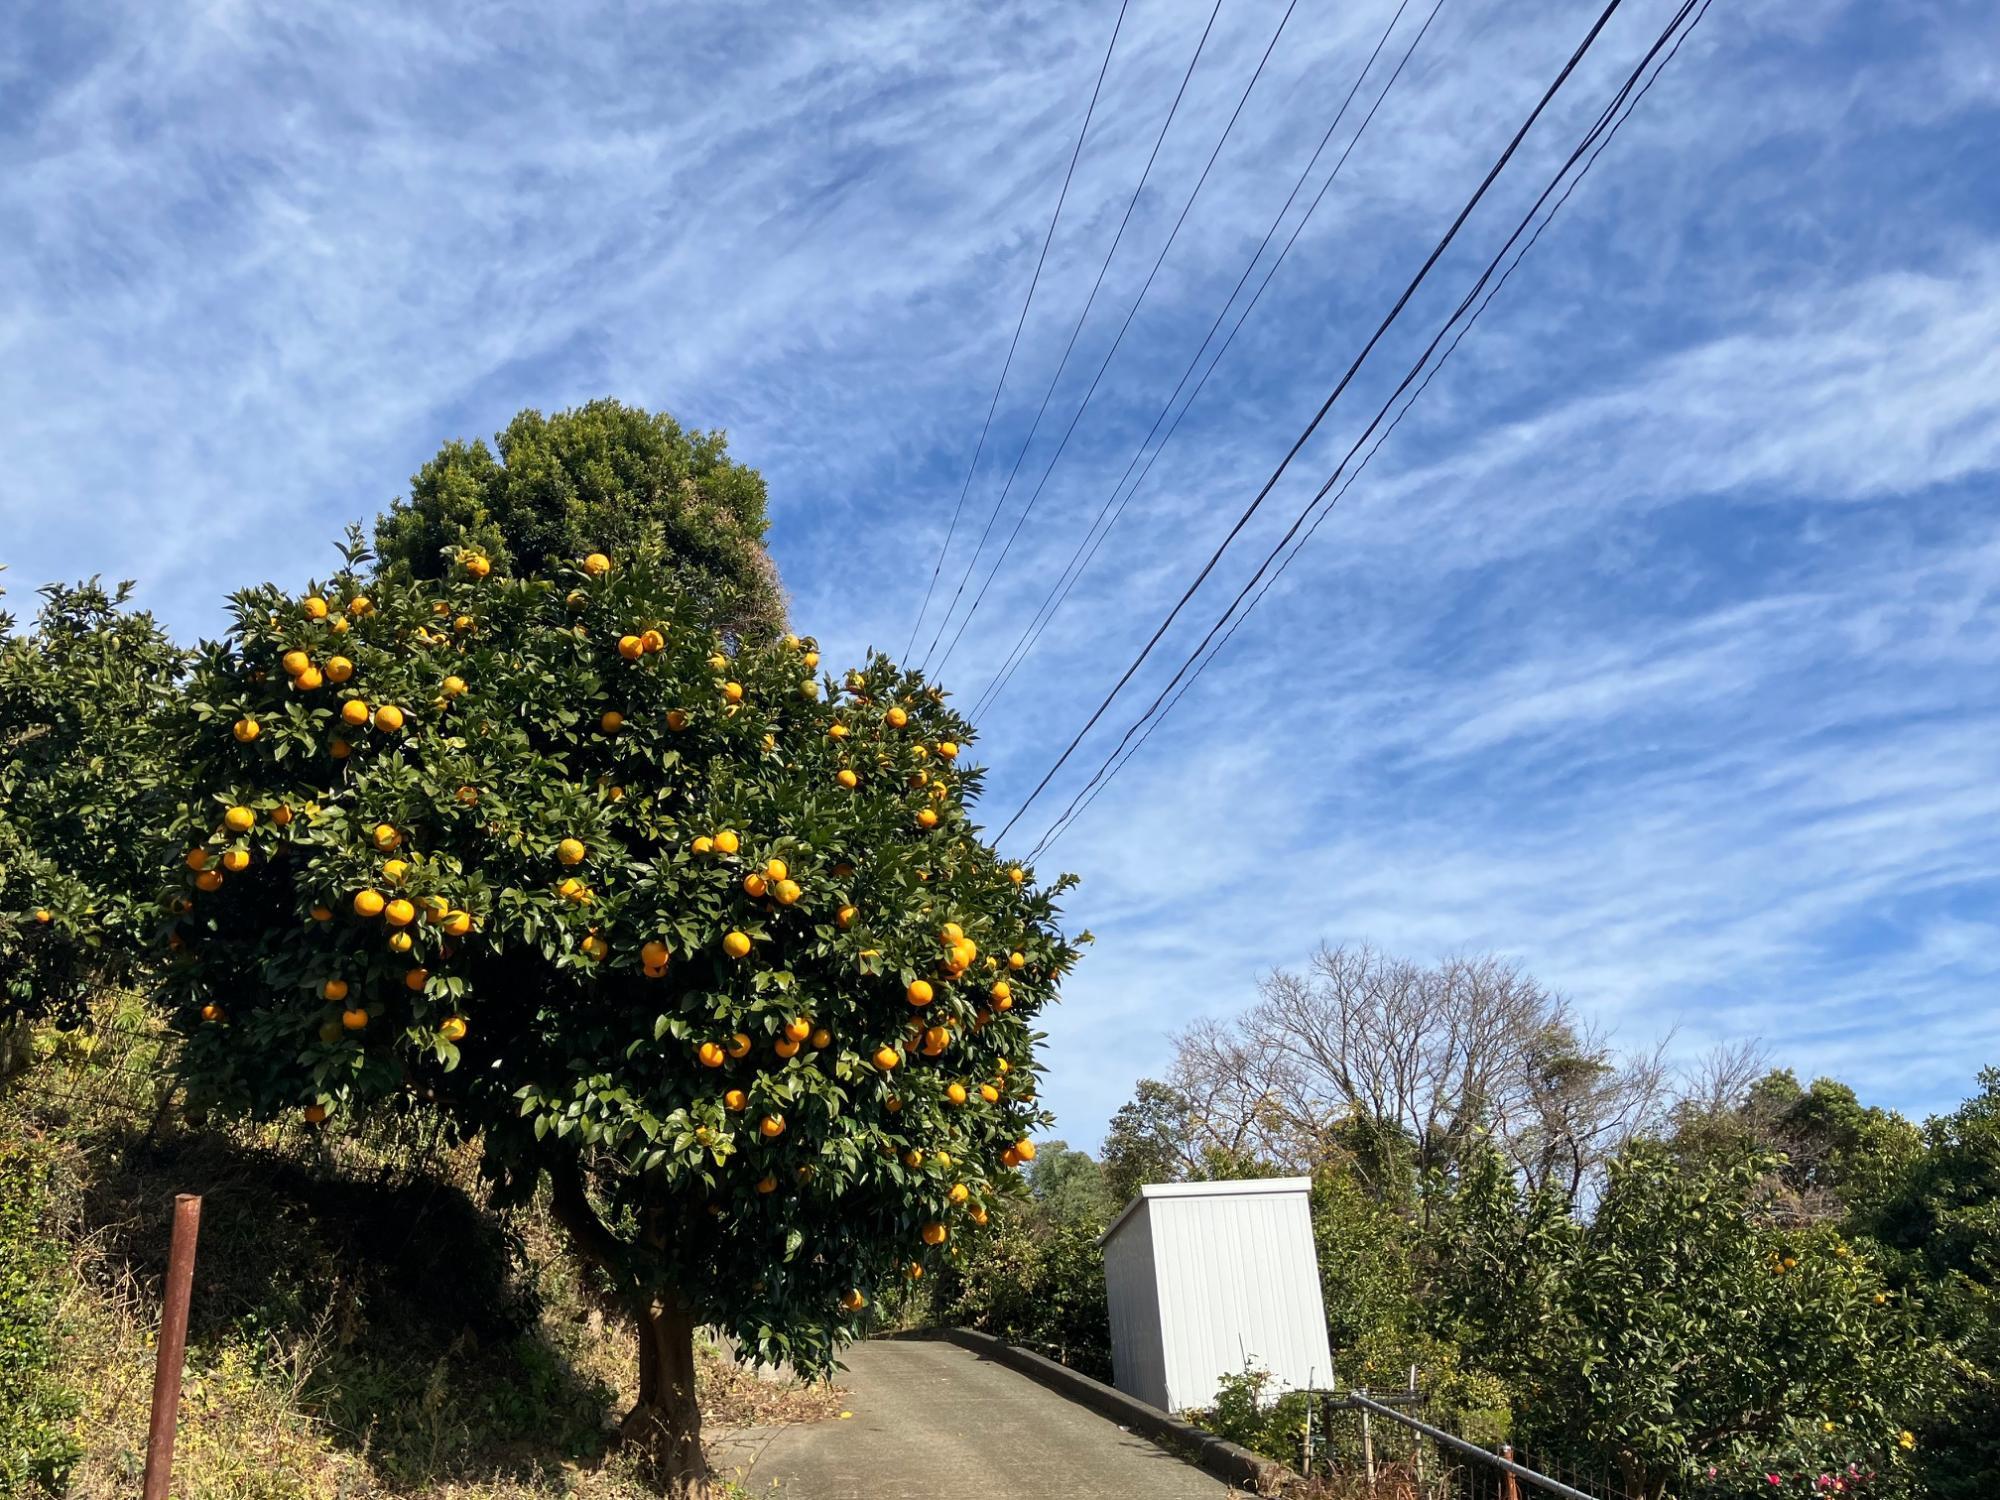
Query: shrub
36	1446
1039	1283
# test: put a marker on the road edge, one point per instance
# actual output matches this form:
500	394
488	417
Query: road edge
1227	1461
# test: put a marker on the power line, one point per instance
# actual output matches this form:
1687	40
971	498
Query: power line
1243	520
1602	136
1130	313
1093	538
1019	323
1089	302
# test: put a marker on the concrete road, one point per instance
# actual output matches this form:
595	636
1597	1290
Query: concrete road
932	1419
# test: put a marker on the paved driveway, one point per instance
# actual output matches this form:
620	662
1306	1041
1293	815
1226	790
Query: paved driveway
932	1419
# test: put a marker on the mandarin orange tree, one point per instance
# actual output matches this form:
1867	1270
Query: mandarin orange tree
704	936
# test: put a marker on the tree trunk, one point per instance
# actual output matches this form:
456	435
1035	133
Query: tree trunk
664	1427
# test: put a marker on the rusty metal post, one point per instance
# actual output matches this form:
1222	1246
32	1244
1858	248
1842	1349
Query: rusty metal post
1509	1490
173	1347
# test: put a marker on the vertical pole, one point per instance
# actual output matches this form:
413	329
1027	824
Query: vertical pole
1367	1451
172	1348
1509	1490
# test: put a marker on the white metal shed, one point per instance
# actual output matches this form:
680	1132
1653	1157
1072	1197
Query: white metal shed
1204	1275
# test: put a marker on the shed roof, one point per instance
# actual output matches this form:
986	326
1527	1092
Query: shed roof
1206	1190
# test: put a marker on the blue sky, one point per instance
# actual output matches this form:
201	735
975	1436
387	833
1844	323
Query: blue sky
1656	648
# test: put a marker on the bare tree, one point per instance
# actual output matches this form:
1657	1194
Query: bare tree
1435	1055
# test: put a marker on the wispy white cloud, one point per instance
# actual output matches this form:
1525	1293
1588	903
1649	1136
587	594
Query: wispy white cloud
1656	648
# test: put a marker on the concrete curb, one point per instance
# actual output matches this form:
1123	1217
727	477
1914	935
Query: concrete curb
1227	1461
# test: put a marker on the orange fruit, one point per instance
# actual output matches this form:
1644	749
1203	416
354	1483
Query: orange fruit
787	892
886	1059
1001	991
934	1233
360	605
322	914
1025	1149
294	662
354	1018
703	845
959	1192
844	917
399	913
771	1127
726	841
612	721
710	1055
386	837
388	718
913	1157
919	992
914	1271
415	979
462	624
853	1301
836	732
732	692
926	819
1017	960
735	944
394	870
735	1100
311	680
820	1039
989	1093
955	1093
354	713
847	779
457	923
718	663
245	730
653	954
897	718
978	1214
197	859
211	1012
236	861
785	1047
478	566
739	1045
333	989
767	1184
453	686
951	933
314	1113
947	749
338	669
753	884
1002	1066
631	647
314	606
652	640
368	903
597	565
469	795
281	815
811	659
570	851
798	1029
1017	874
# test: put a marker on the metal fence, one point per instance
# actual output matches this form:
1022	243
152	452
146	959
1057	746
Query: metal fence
1379	1445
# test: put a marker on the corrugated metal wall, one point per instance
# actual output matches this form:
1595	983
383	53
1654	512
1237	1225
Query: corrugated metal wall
1132	1284
1238	1280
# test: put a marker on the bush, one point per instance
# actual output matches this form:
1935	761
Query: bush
1038	1283
1246	1414
36	1445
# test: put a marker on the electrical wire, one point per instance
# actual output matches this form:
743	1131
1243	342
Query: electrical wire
1402	301
1063	364
1093	539
1110	353
1601	134
1019	323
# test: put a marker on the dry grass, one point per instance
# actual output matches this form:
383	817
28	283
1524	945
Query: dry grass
363	1324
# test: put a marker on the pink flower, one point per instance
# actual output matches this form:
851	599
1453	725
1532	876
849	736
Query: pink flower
1772	1479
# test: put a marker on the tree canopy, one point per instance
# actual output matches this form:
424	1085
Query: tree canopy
599	477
